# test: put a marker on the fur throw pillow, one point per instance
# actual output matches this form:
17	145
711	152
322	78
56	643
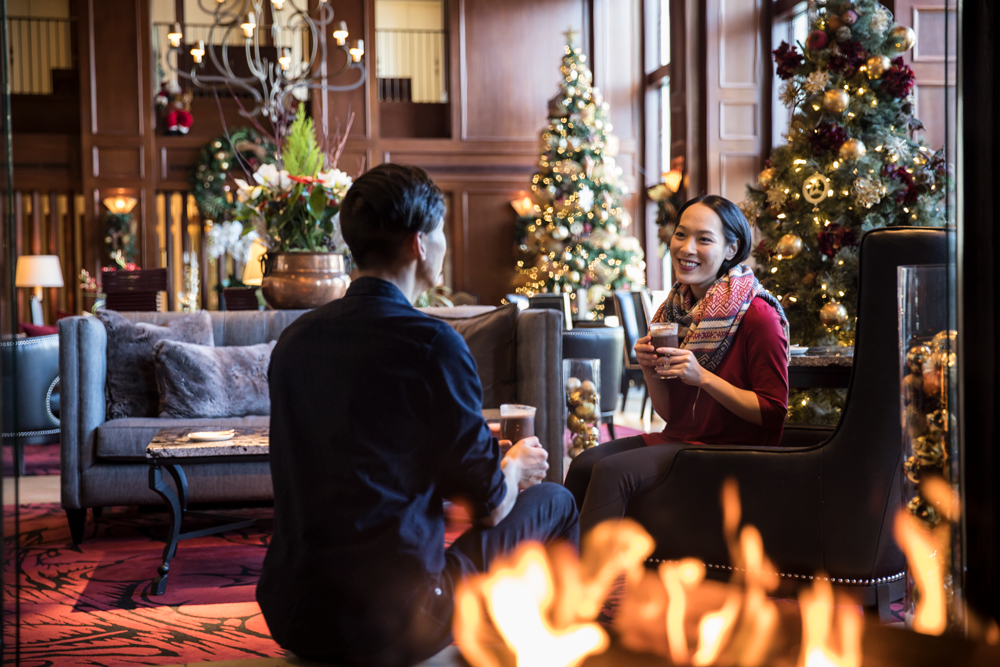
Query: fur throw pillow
197	381
130	386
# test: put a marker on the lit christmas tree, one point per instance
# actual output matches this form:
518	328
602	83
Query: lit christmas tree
569	233
851	165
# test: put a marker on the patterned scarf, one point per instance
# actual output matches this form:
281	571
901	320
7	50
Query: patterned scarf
713	321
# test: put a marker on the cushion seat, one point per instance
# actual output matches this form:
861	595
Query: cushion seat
126	439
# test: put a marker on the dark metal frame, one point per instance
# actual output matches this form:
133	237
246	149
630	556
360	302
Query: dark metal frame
177	505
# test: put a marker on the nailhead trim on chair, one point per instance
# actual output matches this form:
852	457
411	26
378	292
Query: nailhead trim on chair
48	400
33	340
26	434
803	577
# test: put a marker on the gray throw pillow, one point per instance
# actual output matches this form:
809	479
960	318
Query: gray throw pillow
130	386
198	381
491	338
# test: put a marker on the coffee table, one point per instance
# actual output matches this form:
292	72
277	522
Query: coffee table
171	449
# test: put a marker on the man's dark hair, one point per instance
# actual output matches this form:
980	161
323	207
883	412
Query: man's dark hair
385	206
734	226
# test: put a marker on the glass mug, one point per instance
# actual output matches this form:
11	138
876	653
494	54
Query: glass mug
663	334
516	423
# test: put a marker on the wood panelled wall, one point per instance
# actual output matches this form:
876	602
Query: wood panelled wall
504	60
504	63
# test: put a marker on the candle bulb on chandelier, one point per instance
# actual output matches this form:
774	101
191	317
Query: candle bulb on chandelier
249	26
175	36
340	34
198	51
285	59
278	4
358	50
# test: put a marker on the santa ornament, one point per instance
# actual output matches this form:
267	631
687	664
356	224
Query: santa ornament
175	107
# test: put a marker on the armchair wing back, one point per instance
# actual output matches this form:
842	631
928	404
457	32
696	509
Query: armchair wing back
827	507
30	389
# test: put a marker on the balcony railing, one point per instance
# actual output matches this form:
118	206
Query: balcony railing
411	66
40	48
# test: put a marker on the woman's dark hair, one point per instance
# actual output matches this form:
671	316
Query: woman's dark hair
385	206
734	226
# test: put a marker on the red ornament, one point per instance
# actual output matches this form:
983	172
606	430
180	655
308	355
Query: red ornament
817	39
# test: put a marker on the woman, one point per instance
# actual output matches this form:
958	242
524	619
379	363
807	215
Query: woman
726	384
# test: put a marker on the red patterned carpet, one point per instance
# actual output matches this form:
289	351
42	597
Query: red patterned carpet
90	604
38	460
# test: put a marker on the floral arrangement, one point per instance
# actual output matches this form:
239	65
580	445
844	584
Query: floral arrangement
669	197
295	206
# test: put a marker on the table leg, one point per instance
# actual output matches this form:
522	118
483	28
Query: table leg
180	483
165	491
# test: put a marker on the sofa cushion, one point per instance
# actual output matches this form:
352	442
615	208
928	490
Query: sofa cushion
126	439
491	340
205	381
130	386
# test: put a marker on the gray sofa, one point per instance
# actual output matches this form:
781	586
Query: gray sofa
103	462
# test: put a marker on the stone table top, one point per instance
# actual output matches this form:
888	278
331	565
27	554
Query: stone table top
807	360
173	443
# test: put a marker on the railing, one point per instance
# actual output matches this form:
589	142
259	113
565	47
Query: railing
38	46
411	65
297	40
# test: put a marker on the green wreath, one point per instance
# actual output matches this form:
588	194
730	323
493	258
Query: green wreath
214	163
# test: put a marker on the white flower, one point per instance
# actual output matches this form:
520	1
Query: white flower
268	174
223	237
245	191
335	180
879	21
586	196
240	250
817	82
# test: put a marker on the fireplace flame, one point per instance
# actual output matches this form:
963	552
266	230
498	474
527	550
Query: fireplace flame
926	551
819	648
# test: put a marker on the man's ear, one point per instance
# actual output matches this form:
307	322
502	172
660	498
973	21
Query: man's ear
417	245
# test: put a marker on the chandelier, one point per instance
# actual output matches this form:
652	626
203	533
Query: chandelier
296	67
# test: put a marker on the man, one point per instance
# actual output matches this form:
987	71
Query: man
376	417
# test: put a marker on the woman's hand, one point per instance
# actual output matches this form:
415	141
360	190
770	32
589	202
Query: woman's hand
678	363
645	352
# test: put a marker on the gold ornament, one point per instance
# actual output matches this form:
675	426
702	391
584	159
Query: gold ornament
834	22
944	340
767	177
836	100
902	38
852	149
917	357
877	66
789	246
833	314
868	191
585	411
815	188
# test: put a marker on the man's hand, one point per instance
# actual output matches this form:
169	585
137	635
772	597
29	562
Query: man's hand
531	459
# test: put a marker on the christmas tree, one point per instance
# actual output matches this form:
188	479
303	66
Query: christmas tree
569	233
851	164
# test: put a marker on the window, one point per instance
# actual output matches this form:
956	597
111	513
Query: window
791	26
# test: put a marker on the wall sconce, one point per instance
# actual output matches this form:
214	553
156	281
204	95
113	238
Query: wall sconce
120	204
358	50
340	34
175	36
523	206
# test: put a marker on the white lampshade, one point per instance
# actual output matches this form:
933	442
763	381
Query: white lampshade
38	271
252	273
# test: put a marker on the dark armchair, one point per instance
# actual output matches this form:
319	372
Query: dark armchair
828	507
30	391
633	311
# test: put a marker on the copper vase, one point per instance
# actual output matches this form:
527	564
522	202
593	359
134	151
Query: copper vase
302	280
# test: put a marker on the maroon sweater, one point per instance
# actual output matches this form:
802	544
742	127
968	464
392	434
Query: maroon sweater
757	362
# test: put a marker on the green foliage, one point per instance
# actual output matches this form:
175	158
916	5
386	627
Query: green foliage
572	239
896	180
301	155
119	239
243	149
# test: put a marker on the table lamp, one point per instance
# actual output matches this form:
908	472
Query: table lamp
253	274
38	271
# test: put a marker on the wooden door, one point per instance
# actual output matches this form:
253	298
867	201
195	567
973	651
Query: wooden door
933	62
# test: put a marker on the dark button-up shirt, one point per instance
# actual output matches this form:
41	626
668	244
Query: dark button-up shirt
376	416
